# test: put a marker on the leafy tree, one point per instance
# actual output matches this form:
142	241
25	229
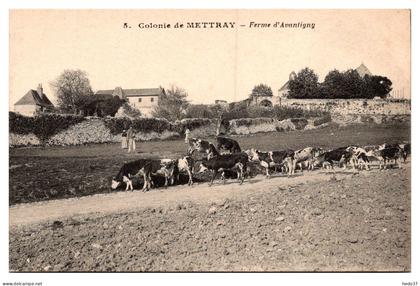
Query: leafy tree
349	84
72	88
377	85
101	105
305	85
344	85
172	104
130	111
261	90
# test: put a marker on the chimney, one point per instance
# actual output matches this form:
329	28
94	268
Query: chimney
39	90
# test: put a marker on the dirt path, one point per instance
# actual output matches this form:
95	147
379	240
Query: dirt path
24	214
315	222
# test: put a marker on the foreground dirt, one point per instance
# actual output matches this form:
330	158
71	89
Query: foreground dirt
316	222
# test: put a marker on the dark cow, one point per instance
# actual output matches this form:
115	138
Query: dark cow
284	158
406	150
230	145
145	168
222	163
387	154
338	156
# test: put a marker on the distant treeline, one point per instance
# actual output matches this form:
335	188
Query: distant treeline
341	85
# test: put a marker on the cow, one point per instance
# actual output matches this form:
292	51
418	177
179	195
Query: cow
339	156
284	158
230	145
404	147
274	158
387	154
359	157
263	157
202	146
370	148
222	163
145	168
126	172
305	156
406	150
185	164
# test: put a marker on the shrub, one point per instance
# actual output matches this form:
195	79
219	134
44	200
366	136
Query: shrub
299	123
43	126
235	114
20	124
322	120
252	121
203	111
258	111
193	123
146	125
277	112
117	125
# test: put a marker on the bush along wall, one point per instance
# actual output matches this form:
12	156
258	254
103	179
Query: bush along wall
59	130
42	126
53	129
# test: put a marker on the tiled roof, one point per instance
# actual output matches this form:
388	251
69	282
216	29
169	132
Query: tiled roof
362	70
285	86
131	92
32	97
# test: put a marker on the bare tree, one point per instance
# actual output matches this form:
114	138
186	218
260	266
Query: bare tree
172	104
72	88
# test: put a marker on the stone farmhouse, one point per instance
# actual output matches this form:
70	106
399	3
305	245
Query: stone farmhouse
33	102
144	99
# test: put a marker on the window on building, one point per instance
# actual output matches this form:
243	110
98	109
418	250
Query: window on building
139	99
152	99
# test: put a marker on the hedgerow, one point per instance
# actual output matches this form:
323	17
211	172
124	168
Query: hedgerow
117	125
43	126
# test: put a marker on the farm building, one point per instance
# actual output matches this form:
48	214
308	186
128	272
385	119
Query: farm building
362	70
33	102
144	99
284	90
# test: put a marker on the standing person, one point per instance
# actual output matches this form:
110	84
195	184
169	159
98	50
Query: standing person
131	141
218	125
187	135
124	140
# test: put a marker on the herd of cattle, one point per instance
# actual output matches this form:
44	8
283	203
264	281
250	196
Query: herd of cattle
228	156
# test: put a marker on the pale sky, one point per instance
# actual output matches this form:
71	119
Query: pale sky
208	63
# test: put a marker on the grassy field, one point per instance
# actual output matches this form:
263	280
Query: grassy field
61	172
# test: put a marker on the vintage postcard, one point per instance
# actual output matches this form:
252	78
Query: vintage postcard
210	140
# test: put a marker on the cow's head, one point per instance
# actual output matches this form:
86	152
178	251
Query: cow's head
202	167
317	152
115	184
318	160
253	155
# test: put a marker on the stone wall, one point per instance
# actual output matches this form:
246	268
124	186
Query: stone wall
352	106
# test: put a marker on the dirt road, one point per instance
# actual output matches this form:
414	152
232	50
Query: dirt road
316	222
23	214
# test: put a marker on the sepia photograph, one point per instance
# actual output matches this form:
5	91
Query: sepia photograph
227	140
